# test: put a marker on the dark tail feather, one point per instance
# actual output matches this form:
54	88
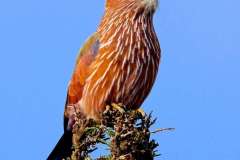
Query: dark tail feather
63	147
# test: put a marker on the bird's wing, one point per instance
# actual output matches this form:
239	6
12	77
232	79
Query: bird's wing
85	57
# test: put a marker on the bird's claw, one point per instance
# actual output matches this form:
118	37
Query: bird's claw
118	107
141	111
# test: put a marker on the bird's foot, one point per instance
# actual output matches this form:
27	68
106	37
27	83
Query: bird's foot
141	111
118	107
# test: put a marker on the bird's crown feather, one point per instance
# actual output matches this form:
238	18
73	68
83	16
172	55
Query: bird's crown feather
148	4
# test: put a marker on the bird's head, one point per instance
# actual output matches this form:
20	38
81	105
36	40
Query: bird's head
146	5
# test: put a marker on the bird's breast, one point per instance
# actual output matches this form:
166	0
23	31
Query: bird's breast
120	77
124	69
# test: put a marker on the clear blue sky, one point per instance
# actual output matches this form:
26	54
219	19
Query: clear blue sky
197	90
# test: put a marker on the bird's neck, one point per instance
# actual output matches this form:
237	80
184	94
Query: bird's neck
126	18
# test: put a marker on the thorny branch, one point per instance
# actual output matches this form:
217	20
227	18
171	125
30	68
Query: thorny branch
126	134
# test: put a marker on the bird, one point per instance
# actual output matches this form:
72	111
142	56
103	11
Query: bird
117	64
